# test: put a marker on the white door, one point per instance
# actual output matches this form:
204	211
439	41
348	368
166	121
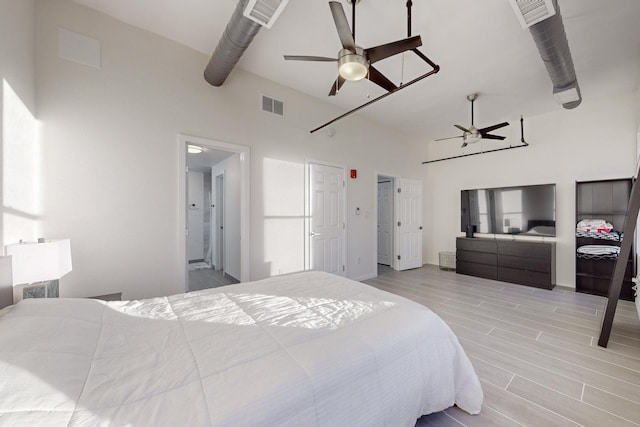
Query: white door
327	219
385	222
409	223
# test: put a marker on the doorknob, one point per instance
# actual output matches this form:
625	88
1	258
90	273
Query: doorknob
313	233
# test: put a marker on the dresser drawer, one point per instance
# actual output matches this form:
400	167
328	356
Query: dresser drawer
523	277
477	257
476	245
530	264
478	270
525	249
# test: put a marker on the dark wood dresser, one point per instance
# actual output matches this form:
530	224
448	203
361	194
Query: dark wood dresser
515	261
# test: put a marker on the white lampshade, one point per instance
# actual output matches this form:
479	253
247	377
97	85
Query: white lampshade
37	262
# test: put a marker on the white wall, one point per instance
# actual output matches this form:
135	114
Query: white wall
17	48
112	161
595	141
19	150
195	201
231	169
19	153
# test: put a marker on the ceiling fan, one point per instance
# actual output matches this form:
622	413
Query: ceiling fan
472	134
354	62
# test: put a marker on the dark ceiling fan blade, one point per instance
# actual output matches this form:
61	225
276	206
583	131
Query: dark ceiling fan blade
451	137
487	136
342	25
383	51
308	58
494	127
337	85
462	129
378	78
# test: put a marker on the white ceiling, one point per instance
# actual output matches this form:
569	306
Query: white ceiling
479	45
202	162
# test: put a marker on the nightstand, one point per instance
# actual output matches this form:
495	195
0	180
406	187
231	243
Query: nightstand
46	289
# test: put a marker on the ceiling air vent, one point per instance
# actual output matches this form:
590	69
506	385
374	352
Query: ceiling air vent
530	12
264	12
273	106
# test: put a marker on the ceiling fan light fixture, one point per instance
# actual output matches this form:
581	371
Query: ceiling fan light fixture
472	138
352	66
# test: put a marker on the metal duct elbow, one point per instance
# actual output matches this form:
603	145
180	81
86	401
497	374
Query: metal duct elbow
236	39
551	39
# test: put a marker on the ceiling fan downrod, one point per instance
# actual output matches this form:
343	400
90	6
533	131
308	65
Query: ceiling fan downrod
353	17
522	132
472	98
409	4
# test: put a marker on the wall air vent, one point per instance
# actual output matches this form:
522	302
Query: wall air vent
530	12
273	106
264	12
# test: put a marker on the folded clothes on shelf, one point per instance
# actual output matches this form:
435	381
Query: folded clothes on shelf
598	252
612	235
594	225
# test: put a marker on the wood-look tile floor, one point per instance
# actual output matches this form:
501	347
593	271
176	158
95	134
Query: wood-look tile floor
535	351
206	278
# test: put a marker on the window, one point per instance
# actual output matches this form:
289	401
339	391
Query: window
512	211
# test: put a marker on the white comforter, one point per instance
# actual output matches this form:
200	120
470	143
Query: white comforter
308	349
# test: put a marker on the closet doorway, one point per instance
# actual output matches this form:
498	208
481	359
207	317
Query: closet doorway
385	220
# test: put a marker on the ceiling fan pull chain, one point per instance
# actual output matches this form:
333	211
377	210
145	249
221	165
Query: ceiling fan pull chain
369	81
402	70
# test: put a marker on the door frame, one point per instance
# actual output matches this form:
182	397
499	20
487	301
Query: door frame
245	206
219	236
307	212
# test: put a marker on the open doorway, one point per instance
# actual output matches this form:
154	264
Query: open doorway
216	213
385	227
207	250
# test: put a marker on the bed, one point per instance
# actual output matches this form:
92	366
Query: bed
541	227
306	349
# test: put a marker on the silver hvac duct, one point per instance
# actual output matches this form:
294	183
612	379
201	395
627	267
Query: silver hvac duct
236	39
551	40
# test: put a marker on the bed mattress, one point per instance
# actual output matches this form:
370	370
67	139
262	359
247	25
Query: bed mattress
307	349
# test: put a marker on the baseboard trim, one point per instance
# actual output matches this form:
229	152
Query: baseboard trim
365	277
